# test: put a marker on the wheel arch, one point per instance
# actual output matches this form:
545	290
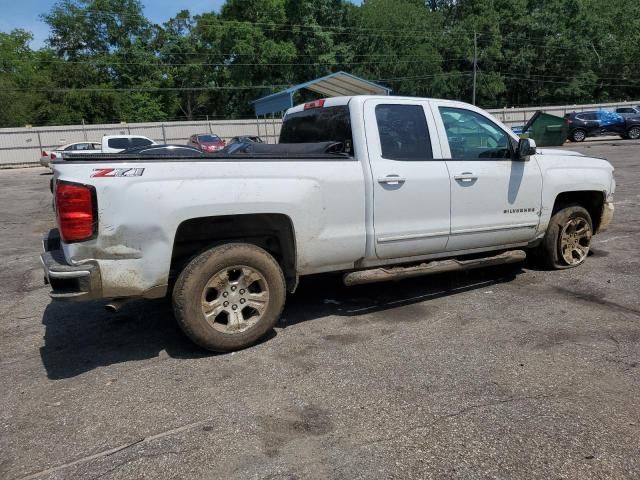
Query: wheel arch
591	200
274	232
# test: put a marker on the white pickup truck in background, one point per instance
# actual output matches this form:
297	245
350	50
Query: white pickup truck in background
119	143
400	187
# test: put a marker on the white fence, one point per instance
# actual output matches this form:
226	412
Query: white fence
22	146
520	116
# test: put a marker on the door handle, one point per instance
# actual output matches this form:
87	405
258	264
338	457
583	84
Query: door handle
466	177
392	179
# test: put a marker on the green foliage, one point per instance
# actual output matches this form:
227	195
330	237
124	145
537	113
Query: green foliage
106	62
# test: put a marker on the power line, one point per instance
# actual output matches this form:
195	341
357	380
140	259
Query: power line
220	21
145	89
541	80
204	88
97	63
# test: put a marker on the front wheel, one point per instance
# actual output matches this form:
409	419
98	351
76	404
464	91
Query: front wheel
568	239
230	296
633	133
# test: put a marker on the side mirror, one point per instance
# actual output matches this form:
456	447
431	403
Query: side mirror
526	148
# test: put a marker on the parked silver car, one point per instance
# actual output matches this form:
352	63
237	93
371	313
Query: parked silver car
628	112
83	147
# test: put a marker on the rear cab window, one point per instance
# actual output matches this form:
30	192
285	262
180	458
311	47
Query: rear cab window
321	124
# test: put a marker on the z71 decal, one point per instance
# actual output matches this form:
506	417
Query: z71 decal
117	172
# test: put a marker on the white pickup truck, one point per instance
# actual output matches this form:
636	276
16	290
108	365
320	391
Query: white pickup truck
376	187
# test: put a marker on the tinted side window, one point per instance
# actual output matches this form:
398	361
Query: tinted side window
403	132
140	142
472	136
325	124
121	143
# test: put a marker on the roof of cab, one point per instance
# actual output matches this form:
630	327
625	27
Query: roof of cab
337	101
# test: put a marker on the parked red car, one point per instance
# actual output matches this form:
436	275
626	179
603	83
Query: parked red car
206	142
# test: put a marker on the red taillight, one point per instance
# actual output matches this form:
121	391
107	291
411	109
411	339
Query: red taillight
44	153
52	156
75	208
314	104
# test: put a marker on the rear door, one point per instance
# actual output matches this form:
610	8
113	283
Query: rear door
495	200
610	122
411	192
590	122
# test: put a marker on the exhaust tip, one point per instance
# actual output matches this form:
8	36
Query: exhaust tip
111	308
115	305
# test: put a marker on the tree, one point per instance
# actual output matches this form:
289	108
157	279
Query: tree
103	45
397	44
107	62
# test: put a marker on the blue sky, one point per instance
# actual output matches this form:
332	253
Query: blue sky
25	13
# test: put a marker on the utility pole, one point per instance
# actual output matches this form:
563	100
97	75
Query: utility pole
475	65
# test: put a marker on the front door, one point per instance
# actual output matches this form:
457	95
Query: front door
411	197
495	199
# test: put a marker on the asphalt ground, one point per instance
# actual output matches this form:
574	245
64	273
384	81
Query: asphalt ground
508	372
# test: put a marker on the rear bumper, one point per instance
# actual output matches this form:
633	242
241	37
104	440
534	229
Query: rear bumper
607	216
71	283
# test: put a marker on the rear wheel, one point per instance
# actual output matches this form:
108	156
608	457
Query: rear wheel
578	135
633	133
568	239
228	297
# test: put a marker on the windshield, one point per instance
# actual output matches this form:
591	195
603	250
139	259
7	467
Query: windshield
209	138
326	124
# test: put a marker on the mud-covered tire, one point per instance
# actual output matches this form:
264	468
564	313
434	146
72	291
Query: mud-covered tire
189	295
550	252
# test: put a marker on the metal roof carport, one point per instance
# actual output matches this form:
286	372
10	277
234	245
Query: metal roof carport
335	85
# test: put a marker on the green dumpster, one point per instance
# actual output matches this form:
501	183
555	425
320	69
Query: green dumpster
547	130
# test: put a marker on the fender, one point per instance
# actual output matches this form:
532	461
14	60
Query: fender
571	174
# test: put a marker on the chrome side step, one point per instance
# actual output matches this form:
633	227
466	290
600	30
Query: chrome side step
436	266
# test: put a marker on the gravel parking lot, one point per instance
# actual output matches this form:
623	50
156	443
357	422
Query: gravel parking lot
499	373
